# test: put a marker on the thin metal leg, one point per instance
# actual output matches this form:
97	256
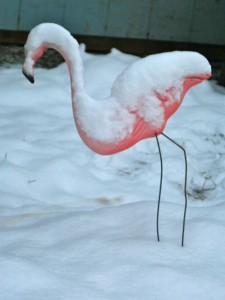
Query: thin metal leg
185	185
160	189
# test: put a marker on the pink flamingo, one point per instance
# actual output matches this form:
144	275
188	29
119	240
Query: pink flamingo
142	99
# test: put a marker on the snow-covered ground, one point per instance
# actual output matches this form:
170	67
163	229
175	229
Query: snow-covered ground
78	225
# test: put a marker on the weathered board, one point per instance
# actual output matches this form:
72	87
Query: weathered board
198	21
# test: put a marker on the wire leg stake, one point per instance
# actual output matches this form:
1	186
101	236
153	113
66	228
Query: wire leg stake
185	185
160	189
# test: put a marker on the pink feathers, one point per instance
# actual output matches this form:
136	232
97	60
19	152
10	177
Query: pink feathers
143	97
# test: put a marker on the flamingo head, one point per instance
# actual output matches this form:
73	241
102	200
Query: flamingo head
40	38
32	54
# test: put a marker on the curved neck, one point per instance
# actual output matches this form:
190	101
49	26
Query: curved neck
68	47
71	54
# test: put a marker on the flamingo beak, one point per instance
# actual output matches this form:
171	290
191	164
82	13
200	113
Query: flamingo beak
28	66
29	76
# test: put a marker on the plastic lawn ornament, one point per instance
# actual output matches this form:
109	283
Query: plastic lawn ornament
143	97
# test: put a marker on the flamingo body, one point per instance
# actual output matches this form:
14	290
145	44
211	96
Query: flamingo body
143	97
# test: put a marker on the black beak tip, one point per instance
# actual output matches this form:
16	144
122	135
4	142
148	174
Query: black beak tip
29	77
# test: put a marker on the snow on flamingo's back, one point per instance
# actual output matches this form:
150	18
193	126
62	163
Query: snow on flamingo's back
163	74
158	72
